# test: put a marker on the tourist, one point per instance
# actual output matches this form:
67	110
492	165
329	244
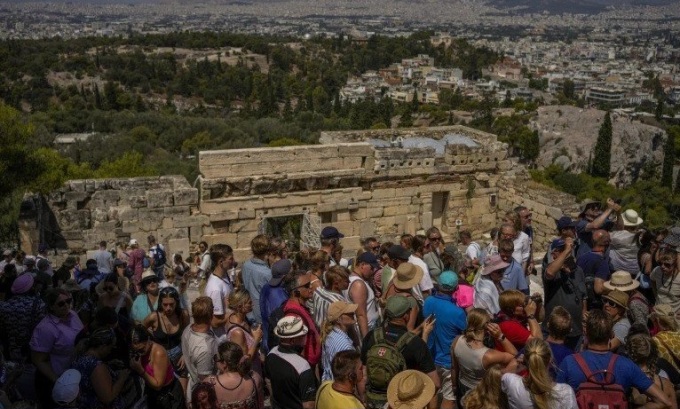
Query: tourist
329	240
203	396
559	326
360	292
665	281
514	277
135	262
337	281
595	266
53	342
471	358
273	295
239	330
518	318
488	285
403	283
433	259
147	301
592	218
236	386
564	286
293	380
255	272
104	259
473	251
450	323
299	285
667	338
341	390
418	251
100	386
219	285
642	350
511	230
157	256
487	393
597	356
166	326
19	316
566	229
199	343
339	320
624	247
111	296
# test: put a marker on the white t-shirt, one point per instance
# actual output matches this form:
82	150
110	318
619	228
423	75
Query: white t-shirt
486	295
426	282
218	290
522	248
519	397
473	251
206	263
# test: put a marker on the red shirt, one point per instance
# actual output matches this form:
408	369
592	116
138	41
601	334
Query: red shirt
312	351
516	332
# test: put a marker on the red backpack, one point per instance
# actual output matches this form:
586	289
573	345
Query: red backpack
596	394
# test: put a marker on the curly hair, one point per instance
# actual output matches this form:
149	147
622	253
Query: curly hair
642	350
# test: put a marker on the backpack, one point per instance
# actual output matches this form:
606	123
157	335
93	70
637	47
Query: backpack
604	394
159	258
384	360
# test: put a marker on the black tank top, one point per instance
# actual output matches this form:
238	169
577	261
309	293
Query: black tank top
169	341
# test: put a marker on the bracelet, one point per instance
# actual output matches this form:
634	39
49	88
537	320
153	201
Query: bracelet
531	317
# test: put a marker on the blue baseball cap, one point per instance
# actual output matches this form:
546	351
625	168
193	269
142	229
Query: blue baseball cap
448	280
557	244
330	232
565	222
369	258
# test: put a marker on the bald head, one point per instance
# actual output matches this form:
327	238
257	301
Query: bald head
600	238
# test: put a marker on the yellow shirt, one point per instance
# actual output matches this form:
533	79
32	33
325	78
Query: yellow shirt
329	398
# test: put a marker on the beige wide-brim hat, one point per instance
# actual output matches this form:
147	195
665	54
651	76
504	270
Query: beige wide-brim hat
408	275
631	219
622	281
410	389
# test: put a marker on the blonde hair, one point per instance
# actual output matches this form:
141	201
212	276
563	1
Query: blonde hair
669	323
476	322
508	300
326	329
515	220
237	298
537	357
487	393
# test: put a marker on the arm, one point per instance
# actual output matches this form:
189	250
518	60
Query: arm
151	321
160	369
103	385
41	360
358	294
506	359
437	384
454	366
601	219
534	327
659	398
219	320
598	286
554	267
497	334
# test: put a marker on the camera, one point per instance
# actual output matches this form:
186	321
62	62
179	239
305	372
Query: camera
535	298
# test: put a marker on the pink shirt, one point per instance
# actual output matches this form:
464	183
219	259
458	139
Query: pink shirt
56	337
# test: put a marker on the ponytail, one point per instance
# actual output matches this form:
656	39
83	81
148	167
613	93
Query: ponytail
539	383
326	329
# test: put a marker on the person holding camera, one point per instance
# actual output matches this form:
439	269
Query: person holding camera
564	284
518	318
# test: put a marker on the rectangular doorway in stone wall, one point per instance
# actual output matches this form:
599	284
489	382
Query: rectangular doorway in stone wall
289	228
440	202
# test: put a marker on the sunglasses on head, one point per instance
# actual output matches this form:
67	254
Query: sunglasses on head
64	302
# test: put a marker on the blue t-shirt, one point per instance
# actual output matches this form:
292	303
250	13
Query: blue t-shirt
514	278
255	274
626	373
140	308
451	322
594	264
270	299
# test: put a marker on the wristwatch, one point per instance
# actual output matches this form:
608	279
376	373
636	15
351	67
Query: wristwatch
501	338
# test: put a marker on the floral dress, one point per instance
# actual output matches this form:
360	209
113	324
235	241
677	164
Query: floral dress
86	365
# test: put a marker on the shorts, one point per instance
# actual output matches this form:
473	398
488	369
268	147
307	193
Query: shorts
447	387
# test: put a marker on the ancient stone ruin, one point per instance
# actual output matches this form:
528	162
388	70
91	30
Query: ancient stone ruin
366	183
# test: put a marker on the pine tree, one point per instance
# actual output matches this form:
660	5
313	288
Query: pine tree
668	162
603	149
658	114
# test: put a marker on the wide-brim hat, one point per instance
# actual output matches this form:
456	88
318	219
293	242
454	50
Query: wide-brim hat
631	219
410	389
494	263
338	308
617	297
408	275
148	275
622	281
585	204
290	327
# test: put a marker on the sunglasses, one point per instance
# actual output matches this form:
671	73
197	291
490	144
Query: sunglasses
64	302
611	303
376	248
668	265
308	285
435	238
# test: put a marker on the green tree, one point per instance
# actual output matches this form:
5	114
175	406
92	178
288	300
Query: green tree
658	113
601	166
668	162
568	88
130	165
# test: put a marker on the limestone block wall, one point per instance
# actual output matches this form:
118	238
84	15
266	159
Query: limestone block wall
546	204
86	212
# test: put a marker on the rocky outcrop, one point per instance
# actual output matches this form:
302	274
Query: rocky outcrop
568	134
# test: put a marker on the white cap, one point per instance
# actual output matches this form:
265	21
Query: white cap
67	387
133	242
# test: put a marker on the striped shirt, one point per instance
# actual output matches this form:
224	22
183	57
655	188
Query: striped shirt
336	341
321	300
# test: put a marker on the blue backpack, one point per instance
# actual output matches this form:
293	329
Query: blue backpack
159	258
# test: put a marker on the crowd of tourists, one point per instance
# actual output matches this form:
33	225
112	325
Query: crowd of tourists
411	324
